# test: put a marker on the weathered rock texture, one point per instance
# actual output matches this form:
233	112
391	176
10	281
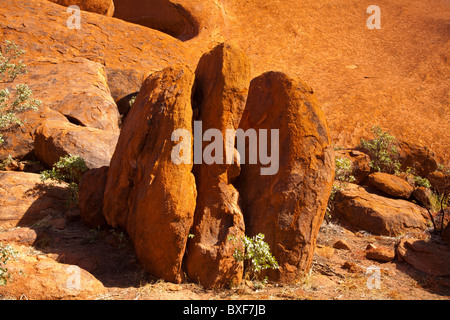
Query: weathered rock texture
377	214
418	157
163	15
390	184
55	139
426	256
221	86
146	193
70	69
287	207
42	278
105	7
25	199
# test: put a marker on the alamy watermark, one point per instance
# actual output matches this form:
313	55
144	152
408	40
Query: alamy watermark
74	279
74	21
214	153
374	21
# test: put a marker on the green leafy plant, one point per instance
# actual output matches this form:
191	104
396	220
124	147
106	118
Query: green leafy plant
68	169
343	170
7	253
343	175
11	105
10	65
382	151
257	252
419	181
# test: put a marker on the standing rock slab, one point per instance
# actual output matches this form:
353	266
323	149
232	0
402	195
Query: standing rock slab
390	184
90	196
221	84
146	193
377	214
289	205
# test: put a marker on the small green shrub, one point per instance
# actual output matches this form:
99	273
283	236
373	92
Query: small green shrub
12	105
7	253
343	171
257	252
343	174
382	151
68	169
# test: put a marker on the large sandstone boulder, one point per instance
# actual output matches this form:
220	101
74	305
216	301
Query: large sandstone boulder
55	139
90	196
146	193
19	142
285	199
70	70
25	199
426	256
77	88
39	277
104	7
221	85
390	184
74	90
377	214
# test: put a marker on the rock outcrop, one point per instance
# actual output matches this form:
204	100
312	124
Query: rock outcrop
104	7
42	278
285	199
146	193
391	185
55	139
221	85
426	256
377	214
25	199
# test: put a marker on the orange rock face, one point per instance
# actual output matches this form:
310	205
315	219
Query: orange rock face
25	199
362	77
146	193
221	85
42	278
288	205
55	139
105	7
426	256
390	184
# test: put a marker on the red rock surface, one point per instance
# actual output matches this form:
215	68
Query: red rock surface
377	214
25	199
105	7
147	194
395	77
288	203
42	278
391	184
221	87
